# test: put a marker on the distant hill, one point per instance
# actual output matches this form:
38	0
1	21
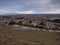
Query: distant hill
45	16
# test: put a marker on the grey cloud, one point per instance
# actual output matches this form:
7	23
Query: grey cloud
27	5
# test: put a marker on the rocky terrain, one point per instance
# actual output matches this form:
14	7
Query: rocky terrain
29	30
34	21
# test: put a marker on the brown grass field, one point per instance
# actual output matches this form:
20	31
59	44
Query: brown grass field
8	36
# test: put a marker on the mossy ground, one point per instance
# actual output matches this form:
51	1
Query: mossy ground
8	36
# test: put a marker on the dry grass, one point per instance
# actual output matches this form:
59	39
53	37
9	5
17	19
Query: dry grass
8	36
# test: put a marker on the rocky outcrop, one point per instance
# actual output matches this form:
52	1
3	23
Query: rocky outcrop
32	22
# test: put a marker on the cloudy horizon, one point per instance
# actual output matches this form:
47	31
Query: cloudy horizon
30	6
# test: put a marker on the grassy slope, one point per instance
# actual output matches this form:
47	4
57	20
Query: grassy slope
8	36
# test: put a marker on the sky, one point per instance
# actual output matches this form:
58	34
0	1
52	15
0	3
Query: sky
30	6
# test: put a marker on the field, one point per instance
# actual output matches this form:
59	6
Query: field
9	36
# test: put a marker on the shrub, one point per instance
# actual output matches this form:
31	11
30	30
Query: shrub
12	22
19	23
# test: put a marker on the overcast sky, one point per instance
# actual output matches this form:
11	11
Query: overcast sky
29	6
